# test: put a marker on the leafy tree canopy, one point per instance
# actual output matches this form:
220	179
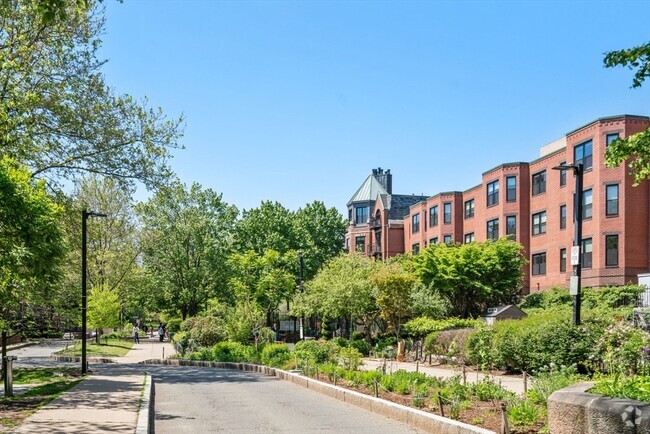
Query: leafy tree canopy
57	115
473	276
187	237
635	147
31	242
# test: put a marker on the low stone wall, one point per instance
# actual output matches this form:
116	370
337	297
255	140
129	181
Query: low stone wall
573	410
417	418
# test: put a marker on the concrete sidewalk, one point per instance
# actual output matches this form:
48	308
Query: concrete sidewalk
105	402
147	349
509	382
99	404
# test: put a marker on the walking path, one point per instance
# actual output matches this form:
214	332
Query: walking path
100	403
106	401
148	349
509	382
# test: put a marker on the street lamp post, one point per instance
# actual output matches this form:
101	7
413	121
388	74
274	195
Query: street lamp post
84	217
576	257
302	318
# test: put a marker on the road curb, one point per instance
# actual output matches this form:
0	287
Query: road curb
76	359
417	418
147	412
19	346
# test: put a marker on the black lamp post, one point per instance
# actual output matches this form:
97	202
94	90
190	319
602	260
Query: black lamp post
84	217
574	286
302	318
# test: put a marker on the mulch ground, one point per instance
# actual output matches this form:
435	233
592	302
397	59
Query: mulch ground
485	414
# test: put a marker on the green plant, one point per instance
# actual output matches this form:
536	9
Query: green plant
523	413
275	355
486	390
349	358
423	326
549	379
232	352
620	348
479	348
361	345
618	386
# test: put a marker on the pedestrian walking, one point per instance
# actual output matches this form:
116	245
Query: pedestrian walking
136	337
161	333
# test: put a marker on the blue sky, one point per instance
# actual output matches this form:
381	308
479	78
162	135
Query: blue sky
297	101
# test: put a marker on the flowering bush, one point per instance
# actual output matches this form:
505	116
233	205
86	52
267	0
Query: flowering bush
621	349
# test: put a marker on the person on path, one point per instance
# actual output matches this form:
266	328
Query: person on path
161	333
136	338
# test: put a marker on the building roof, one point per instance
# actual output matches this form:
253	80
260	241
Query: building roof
400	204
498	310
368	191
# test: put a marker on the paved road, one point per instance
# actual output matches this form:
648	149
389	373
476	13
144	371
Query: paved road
193	400
39	355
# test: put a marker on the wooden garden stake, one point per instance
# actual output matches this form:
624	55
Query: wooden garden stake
442	412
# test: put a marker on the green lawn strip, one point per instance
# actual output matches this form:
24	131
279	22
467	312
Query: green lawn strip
110	347
41	375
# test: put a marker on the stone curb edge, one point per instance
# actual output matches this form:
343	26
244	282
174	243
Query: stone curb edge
20	345
411	416
147	412
76	359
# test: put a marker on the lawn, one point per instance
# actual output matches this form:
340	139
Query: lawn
109	348
43	375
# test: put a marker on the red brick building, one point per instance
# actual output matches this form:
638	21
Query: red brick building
533	204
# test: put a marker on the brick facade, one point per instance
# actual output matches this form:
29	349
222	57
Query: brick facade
533	207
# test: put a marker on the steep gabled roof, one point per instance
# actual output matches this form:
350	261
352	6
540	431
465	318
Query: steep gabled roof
368	191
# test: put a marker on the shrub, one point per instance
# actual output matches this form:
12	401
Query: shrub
479	348
611	296
206	331
174	325
620	348
423	326
349	358
313	350
539	340
233	352
362	346
275	355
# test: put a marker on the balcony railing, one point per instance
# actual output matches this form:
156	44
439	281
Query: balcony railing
375	224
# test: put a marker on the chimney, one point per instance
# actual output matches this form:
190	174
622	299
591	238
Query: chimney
384	178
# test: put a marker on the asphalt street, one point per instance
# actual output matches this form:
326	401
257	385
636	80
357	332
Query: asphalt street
215	400
198	400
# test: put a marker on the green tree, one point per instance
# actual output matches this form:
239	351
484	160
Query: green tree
264	280
394	287
342	289
113	242
103	308
31	243
187	236
473	276
268	227
322	232
57	115
636	147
